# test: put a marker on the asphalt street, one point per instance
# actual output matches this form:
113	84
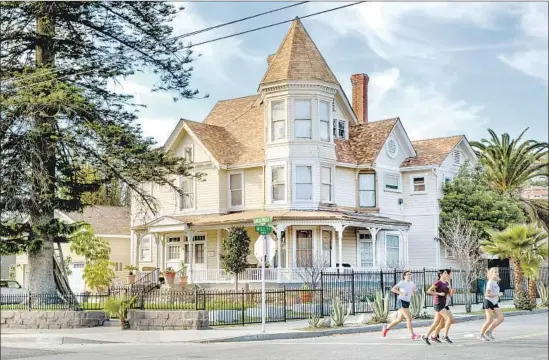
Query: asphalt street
520	337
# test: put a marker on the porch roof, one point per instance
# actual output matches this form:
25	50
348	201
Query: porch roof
247	217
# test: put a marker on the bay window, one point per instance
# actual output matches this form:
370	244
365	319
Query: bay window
392	250
303	122
324	117
326	180
278	119
304	183
304	248
278	183
186	200
367	190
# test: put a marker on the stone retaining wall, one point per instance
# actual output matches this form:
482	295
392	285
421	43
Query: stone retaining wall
168	320
51	319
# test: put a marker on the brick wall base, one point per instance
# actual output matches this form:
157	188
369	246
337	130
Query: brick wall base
51	319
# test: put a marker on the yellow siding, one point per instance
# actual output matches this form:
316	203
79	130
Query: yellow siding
253	188
222	189
211	246
207	198
349	246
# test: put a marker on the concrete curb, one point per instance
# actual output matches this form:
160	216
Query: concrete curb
351	330
52	339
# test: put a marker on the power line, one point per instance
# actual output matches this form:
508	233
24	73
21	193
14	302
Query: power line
236	21
271	25
41	82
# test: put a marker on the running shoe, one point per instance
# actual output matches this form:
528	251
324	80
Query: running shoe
435	339
447	339
384	331
415	337
482	338
490	336
425	339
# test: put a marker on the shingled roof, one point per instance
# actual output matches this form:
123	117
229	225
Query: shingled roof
298	58
432	151
365	142
105	220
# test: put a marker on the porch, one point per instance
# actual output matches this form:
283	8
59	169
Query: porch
323	240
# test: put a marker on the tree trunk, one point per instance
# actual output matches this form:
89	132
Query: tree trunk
532	291
41	277
518	276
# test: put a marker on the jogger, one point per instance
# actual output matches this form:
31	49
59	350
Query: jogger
405	288
435	337
494	315
440	291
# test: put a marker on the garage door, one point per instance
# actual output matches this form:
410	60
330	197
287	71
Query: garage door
76	281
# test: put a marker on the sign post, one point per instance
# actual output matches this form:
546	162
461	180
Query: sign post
264	253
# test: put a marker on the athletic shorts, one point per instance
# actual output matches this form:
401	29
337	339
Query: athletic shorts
489	305
440	307
401	304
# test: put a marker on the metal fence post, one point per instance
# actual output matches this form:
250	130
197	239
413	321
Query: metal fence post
284	292
353	290
30	301
142	301
424	287
394	282
381	282
243	309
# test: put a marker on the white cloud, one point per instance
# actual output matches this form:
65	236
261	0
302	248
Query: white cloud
533	58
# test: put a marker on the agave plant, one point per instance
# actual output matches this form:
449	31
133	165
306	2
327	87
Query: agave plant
119	306
543	296
339	315
314	320
416	303
380	305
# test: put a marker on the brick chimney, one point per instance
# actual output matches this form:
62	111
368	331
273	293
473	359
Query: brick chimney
360	96
270	59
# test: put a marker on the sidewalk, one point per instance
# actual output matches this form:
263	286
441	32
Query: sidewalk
274	331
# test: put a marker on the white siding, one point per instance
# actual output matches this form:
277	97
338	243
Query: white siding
345	187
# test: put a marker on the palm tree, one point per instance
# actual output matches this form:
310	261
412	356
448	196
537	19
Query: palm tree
511	164
525	246
531	261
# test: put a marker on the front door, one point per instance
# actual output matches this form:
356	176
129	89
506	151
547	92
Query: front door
76	280
365	251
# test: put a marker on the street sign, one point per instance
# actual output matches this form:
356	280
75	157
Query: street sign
264	220
263	229
270	246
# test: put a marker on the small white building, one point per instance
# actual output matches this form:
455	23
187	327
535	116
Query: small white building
341	189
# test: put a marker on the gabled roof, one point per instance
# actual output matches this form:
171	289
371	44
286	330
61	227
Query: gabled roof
432	151
298	58
105	220
365	142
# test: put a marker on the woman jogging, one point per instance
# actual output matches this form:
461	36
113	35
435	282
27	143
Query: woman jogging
435	336
440	290
494	315
405	288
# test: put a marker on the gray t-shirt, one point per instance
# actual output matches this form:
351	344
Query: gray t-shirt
494	289
407	287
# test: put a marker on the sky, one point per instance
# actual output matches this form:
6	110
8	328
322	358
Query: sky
442	68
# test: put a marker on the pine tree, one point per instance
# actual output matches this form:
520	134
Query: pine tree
58	116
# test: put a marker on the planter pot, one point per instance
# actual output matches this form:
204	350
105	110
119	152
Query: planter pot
182	280
131	279
170	278
306	298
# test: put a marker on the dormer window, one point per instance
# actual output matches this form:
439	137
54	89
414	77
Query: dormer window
324	117
303	123
340	129
278	118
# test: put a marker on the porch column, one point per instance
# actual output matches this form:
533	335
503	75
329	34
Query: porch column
374	232
404	245
190	238
339	229
137	248
157	242
219	249
280	229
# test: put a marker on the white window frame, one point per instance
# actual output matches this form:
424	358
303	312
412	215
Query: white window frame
336	123
310	101
412	191
397	175
271	122
375	190
456	154
398	235
294	182
229	191
331	184
333	244
179	200
327	121
271	193
358	241
145	238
